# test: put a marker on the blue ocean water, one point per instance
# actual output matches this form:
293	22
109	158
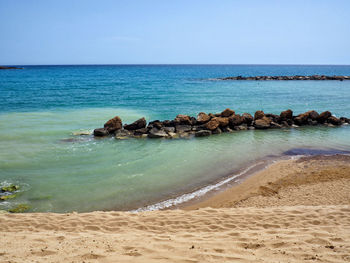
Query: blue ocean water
41	107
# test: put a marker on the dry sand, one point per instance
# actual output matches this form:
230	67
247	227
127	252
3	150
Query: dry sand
295	211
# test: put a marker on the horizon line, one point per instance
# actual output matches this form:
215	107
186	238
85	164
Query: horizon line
178	64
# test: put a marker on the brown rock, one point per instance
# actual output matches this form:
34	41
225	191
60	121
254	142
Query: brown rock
286	115
113	124
212	124
183	119
227	113
139	124
334	120
324	116
100	132
236	120
247	118
202	117
259	115
223	121
263	123
301	119
313	115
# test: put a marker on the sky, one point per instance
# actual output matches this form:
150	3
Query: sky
36	32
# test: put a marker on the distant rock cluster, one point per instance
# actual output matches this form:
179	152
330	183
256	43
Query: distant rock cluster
3	67
184	126
297	77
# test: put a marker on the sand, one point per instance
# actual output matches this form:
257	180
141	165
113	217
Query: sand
294	211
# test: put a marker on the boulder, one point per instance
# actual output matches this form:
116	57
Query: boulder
169	129
141	131
227	129
156	133
334	120
344	120
273	117
101	132
313	115
242	127
183	119
247	118
155	124
202	117
217	131
202	133
301	119
286	115
236	120
223	121
324	116
227	113
139	124
259	115
113	124
263	123
10	188
183	128
212	124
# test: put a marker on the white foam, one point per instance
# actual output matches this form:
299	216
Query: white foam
187	197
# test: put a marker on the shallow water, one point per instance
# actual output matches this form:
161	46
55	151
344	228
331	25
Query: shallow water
41	108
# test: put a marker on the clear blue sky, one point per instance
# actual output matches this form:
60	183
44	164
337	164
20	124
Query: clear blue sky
178	31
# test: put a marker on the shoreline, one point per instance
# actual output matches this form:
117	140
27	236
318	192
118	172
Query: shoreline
279	176
292	219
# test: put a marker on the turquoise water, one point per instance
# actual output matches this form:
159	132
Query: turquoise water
41	107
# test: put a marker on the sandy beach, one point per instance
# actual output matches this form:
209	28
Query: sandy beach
294	211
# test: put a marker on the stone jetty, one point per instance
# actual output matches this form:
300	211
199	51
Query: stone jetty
296	77
185	126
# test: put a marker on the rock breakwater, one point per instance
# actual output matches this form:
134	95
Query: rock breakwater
296	77
185	126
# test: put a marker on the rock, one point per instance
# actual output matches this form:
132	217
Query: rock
202	133
227	113
113	124
139	124
334	120
223	121
313	115
251	128
100	132
169	129
141	131
263	123
227	129
183	119
273	117
275	125
324	116
217	131
259	115
247	118
156	133
202	117
6	197
11	188
286	115
344	120
236	120
301	119
183	128
81	133
212	124
242	127
155	124
173	135
19	208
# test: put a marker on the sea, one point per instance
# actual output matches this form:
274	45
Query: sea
42	108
